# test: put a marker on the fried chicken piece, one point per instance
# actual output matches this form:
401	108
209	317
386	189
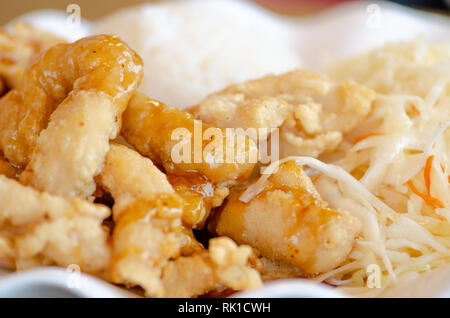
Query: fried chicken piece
150	126
147	213
101	73
224	265
288	221
72	149
20	49
127	176
311	111
199	197
239	110
42	229
149	231
66	74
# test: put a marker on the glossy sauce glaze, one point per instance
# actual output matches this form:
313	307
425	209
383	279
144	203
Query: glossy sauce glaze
152	128
289	222
197	193
100	63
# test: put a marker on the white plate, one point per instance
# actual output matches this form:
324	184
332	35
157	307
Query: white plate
347	29
55	282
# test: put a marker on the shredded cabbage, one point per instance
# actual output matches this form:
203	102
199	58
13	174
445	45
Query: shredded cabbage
390	181
411	115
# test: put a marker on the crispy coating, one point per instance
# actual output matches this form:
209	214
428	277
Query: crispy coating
238	109
147	213
288	221
127	176
73	145
50	230
199	197
20	49
149	126
224	265
311	111
99	64
149	232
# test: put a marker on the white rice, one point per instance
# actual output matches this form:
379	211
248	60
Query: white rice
193	48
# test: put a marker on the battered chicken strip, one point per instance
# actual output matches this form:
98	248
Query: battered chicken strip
152	128
42	229
128	176
311	111
71	151
20	48
67	75
101	73
147	212
149	231
288	221
224	265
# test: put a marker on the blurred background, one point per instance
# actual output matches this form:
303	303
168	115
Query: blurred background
95	9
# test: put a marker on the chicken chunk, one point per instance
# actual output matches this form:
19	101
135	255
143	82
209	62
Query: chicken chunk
149	232
74	145
224	265
20	49
311	111
49	230
288	221
152	128
127	176
147	212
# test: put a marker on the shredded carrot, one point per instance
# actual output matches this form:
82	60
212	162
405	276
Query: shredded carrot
427	198
316	177
443	170
360	138
427	173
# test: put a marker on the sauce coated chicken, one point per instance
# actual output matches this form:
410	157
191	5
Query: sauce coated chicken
288	221
151	236
149	126
311	111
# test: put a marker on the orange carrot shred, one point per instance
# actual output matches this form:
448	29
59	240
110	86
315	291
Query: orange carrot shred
427	198
316	177
360	138
427	173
